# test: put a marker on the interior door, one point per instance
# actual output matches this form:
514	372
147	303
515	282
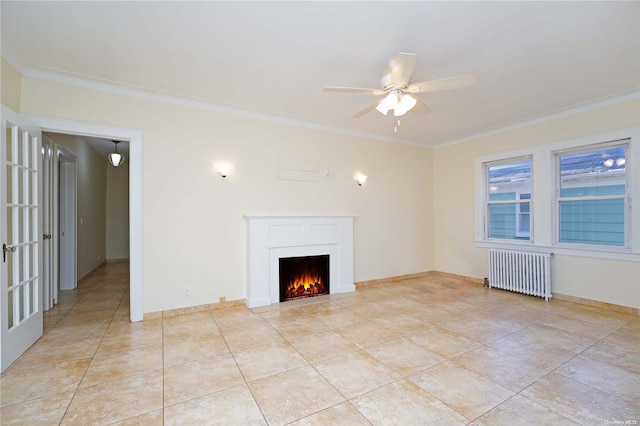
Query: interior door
66	233
21	287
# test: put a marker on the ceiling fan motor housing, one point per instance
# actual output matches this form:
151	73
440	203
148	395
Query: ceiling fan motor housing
388	85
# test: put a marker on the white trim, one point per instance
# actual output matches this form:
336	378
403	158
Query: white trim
134	136
272	237
543	232
138	92
624	256
549	116
558	199
486	190
519	231
306	216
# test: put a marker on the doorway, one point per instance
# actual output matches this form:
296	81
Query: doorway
135	139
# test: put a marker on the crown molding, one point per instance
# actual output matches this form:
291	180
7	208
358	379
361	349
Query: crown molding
549	116
145	93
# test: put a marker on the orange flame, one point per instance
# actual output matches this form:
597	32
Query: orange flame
305	284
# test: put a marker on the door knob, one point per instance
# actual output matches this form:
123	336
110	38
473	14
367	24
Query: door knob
6	249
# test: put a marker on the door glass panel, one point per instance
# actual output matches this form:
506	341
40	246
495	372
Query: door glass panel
10	310
9	226
20	251
9	183
20	306
34	299
32	257
9	144
26	182
10	280
34	189
21	231
28	218
27	150
18	198
20	152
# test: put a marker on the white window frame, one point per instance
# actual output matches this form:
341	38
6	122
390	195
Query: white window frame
626	143
487	190
544	232
519	213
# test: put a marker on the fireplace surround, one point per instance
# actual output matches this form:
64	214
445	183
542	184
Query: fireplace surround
270	238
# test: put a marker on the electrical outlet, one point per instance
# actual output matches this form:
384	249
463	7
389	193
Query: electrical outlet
223	299
187	293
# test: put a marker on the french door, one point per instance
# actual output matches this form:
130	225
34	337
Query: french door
20	236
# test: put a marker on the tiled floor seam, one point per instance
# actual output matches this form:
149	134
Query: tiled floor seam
92	356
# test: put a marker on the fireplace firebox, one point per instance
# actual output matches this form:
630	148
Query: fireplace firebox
302	277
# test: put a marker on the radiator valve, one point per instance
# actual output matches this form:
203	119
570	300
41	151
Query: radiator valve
486	282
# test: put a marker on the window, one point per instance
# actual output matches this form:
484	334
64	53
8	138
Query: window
523	218
508	199
592	195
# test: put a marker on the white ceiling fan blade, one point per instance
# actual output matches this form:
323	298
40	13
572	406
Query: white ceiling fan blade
402	67
443	84
367	109
357	90
420	108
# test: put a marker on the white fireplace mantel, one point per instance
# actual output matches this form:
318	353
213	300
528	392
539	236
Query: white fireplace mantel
270	237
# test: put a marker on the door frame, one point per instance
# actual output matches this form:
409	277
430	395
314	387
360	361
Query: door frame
134	136
49	251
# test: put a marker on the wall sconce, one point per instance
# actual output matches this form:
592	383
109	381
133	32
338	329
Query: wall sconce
360	179
224	169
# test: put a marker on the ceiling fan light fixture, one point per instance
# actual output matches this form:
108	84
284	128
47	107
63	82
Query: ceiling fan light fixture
388	103
398	102
115	158
405	104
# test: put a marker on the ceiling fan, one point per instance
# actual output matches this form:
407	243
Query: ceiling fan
397	87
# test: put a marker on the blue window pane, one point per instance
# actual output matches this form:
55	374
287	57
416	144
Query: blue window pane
502	221
599	222
599	161
525	226
502	196
584	191
508	178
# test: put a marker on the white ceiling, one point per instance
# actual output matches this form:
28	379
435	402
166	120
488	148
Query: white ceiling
272	59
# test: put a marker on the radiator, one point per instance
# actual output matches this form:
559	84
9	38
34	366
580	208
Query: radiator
521	271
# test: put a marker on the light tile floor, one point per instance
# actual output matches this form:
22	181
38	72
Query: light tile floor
420	351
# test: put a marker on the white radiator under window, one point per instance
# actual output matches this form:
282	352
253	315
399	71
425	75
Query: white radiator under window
521	271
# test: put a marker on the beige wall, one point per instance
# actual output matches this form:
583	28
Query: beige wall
415	212
118	212
603	280
194	231
10	83
91	173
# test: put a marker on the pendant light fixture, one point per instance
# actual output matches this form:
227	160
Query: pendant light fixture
115	158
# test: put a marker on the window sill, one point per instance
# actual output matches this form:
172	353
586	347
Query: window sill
622	255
